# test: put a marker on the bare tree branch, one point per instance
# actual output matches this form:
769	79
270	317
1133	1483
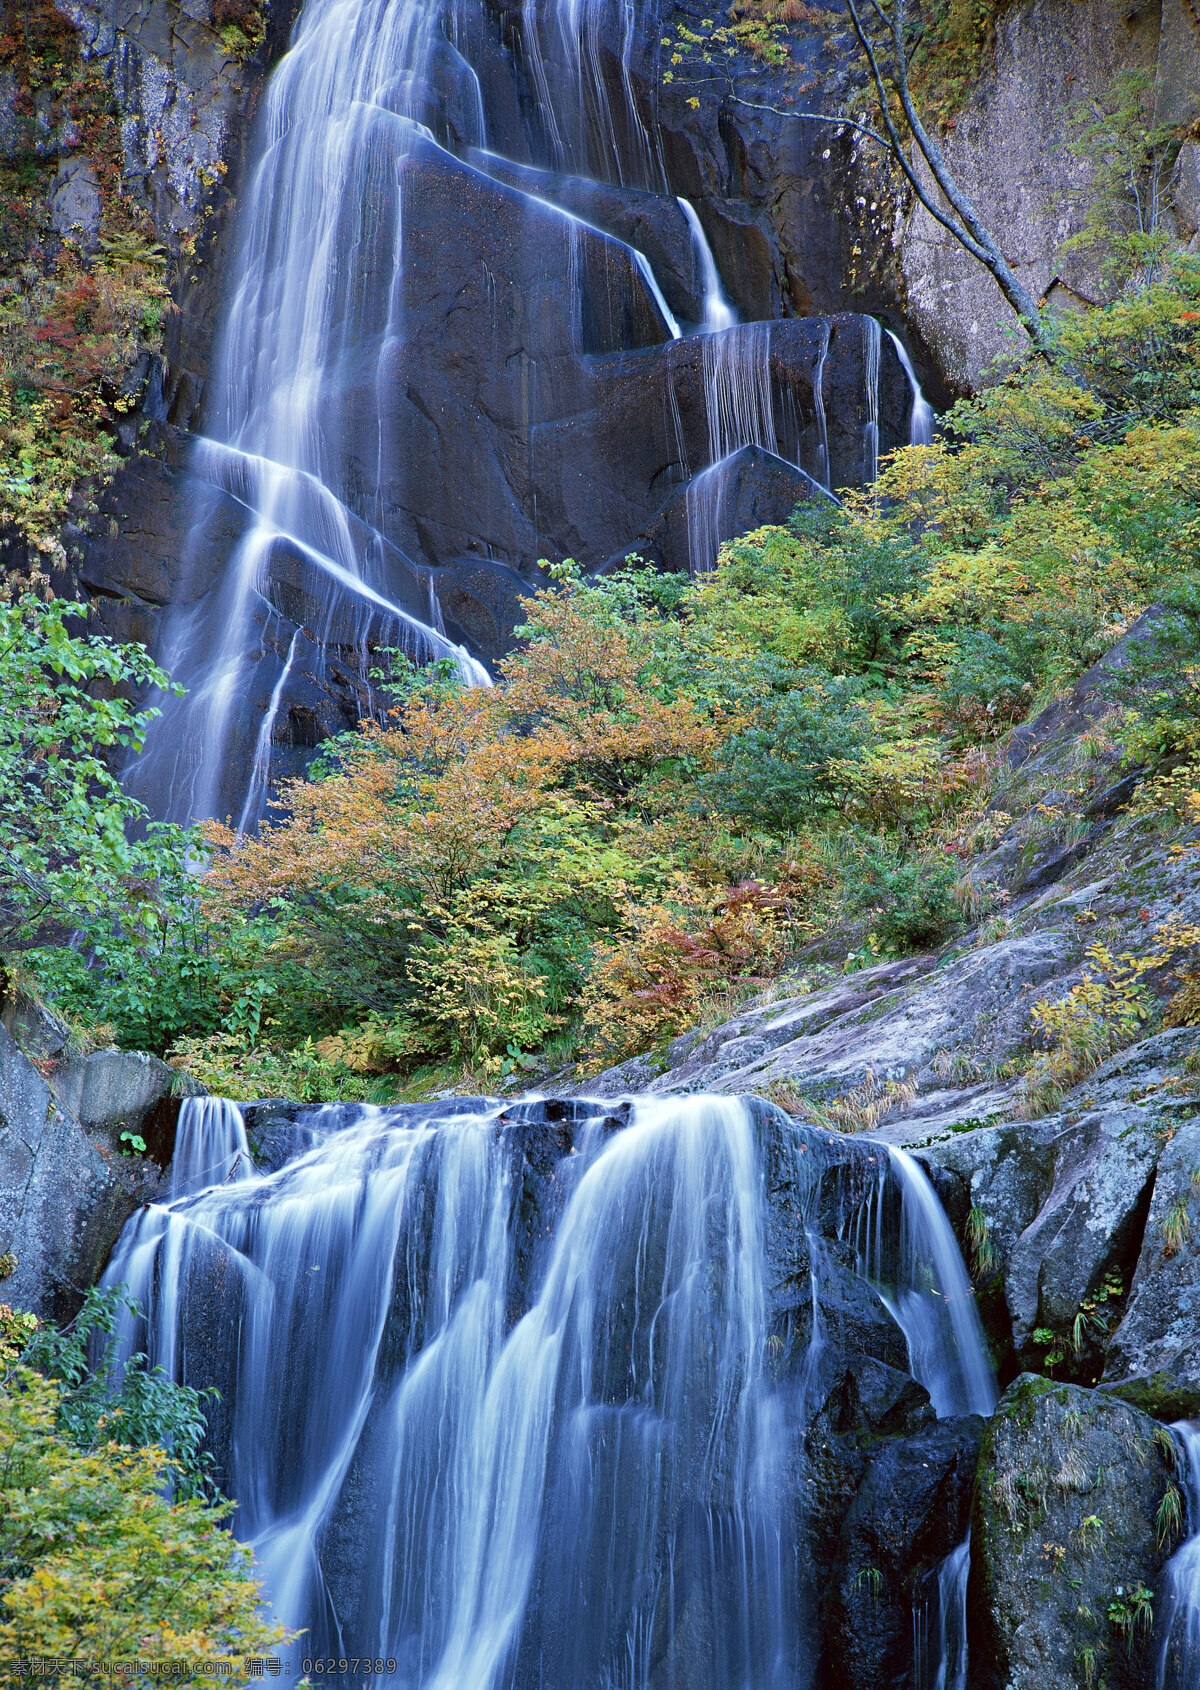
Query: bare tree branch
967	227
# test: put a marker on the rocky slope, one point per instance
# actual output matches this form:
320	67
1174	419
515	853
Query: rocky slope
69	1179
939	1054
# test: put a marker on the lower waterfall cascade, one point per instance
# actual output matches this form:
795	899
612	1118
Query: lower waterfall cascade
521	1394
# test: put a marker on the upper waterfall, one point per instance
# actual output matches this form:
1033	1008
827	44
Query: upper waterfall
448	351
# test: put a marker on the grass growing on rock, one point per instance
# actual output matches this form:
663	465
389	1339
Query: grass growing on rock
82	301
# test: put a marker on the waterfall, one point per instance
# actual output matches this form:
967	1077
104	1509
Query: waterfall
210	1146
495	1400
342	112
1179	1656
718	312
940	1627
322	215
872	349
260	772
740	411
582	131
613	1443
737	389
914	1262
704	504
819	403
360	442
920	421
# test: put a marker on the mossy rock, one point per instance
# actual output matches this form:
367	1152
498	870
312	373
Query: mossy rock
1065	1540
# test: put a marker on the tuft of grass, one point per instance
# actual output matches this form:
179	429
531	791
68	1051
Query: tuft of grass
1131	1611
1176	1225
984	1254
1168	1521
1088	1658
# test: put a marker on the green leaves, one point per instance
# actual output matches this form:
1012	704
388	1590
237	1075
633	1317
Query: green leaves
779	769
68	847
95	1560
101	1402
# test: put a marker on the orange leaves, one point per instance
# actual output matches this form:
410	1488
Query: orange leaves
583	691
434	799
680	955
463	872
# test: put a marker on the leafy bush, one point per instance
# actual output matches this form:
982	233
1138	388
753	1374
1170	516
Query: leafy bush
678	959
1099	1015
95	1562
785	763
96	900
989	680
67	858
910	898
101	1402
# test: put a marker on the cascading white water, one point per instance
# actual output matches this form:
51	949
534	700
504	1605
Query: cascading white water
1179	1655
740	412
920	420
819	404
872	349
737	387
913	1260
322	217
260	773
718	312
210	1146
638	259
500	1446
940	1627
584	132
612	1446
704	503
917	1268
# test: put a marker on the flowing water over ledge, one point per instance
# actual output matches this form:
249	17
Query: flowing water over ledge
532	1395
445	355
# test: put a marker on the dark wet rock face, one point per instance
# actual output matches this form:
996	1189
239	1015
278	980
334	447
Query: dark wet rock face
499	377
1154	1358
909	1514
1064	1541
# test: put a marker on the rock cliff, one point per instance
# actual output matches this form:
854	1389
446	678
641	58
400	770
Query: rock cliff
522	451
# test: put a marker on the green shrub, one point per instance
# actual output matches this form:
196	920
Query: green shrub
95	1562
100	1403
909	896
777	771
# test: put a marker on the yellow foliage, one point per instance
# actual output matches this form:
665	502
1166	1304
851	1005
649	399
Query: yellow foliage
96	1564
1099	1015
898	779
1184	1008
763	596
